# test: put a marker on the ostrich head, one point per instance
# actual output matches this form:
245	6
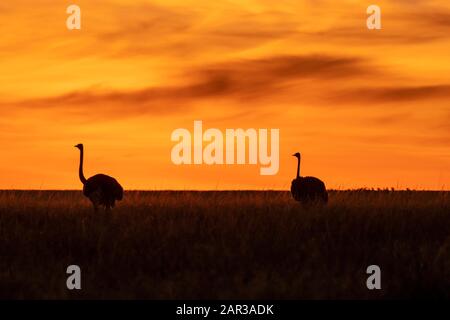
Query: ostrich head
297	155
79	146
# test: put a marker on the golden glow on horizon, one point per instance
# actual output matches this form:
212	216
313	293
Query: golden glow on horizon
366	108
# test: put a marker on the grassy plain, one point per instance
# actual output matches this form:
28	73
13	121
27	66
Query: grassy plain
225	245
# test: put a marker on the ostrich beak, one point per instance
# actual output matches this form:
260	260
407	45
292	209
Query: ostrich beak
293	155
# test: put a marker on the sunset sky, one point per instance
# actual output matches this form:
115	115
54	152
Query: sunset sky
366	108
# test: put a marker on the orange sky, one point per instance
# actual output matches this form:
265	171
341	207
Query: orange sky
365	108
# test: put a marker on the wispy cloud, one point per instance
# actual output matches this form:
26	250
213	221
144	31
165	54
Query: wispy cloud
243	79
399	94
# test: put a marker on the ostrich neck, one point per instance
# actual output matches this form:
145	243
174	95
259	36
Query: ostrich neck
80	171
298	167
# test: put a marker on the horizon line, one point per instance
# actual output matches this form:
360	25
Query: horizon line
237	190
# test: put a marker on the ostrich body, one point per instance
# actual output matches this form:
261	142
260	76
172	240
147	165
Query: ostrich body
307	189
101	189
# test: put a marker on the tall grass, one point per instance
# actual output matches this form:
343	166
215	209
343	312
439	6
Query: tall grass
230	245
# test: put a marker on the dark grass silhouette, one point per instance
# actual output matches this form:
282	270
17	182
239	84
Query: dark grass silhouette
179	245
101	189
307	190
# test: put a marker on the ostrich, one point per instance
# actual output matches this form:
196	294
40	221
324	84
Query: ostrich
101	189
307	189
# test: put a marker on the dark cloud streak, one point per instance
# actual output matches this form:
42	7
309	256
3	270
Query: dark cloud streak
244	79
401	94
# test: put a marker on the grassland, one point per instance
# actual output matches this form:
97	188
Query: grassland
230	245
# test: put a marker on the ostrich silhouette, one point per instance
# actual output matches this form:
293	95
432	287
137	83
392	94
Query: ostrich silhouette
101	189
307	189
